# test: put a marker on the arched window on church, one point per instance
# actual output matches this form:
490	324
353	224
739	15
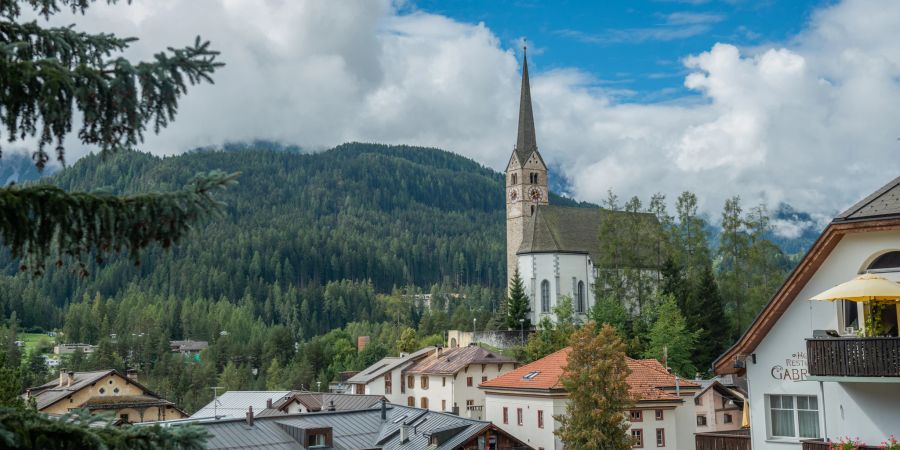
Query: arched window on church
545	296
579	301
514	178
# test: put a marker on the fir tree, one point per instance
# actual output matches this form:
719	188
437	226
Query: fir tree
46	74
517	304
408	342
670	339
704	315
596	380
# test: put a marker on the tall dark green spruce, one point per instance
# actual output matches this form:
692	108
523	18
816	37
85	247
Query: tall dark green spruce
48	73
517	308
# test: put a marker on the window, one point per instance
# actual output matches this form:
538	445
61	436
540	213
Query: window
540	418
424	402
314	440
411	401
888	262
701	421
579	301
637	435
660	437
387	383
726	418
424	381
468	381
483	379
849	314
636	416
793	416
514	178
360	389
659	414
519	419
102	391
443	381
124	417
505	415
443	405
545	296
115	390
470	403
410	381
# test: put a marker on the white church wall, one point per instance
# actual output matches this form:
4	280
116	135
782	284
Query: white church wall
563	272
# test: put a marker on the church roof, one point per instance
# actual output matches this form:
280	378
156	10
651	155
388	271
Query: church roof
526	141
561	229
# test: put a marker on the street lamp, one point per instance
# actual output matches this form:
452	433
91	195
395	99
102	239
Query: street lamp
474	328
522	326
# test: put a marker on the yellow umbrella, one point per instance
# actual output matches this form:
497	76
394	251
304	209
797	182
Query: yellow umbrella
863	288
745	421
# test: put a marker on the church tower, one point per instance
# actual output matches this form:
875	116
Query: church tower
526	177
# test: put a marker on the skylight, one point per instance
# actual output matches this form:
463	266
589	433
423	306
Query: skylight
399	419
531	375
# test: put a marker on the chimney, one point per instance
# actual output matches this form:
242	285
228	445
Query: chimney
250	416
404	433
361	343
331	405
269	403
455	410
131	374
383	409
69	377
63	376
440	350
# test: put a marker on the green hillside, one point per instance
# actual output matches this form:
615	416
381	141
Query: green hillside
391	215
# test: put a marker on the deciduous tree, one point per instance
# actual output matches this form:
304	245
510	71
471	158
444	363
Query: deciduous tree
596	380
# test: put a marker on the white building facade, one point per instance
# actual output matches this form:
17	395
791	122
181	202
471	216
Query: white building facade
524	403
829	387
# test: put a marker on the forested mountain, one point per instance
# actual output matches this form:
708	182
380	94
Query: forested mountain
19	168
392	216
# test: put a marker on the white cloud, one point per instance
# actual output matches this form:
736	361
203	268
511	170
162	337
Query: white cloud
812	122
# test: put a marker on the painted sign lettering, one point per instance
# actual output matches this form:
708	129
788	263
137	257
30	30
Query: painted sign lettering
794	368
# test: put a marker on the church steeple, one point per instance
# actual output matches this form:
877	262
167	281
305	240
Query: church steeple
526	143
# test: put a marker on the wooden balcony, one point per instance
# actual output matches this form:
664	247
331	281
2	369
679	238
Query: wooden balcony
854	357
723	440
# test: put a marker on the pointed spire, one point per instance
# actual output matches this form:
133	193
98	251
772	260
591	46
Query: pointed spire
526	143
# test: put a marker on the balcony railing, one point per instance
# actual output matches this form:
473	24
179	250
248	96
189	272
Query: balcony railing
854	357
723	440
820	444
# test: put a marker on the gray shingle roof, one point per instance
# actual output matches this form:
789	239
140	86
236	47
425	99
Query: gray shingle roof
453	360
561	229
386	364
882	203
351	430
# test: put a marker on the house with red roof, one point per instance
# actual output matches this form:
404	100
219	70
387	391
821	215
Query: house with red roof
525	401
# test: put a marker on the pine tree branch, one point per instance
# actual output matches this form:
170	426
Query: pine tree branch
41	222
46	8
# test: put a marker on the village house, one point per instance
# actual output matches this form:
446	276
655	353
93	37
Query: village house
811	375
448	379
523	403
386	427
101	392
718	407
385	376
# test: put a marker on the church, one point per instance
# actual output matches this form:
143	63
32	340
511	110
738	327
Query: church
554	248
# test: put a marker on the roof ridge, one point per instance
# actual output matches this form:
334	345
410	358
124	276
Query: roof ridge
858	206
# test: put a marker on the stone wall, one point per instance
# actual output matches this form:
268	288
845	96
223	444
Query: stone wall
500	338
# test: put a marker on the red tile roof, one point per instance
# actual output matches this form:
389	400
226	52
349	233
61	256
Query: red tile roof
648	378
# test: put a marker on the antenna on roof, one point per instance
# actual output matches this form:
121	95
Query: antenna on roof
216	401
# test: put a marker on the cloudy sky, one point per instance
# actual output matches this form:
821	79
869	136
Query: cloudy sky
777	101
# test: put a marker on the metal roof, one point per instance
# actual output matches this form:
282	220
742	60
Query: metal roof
318	401
387	364
351	430
234	404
